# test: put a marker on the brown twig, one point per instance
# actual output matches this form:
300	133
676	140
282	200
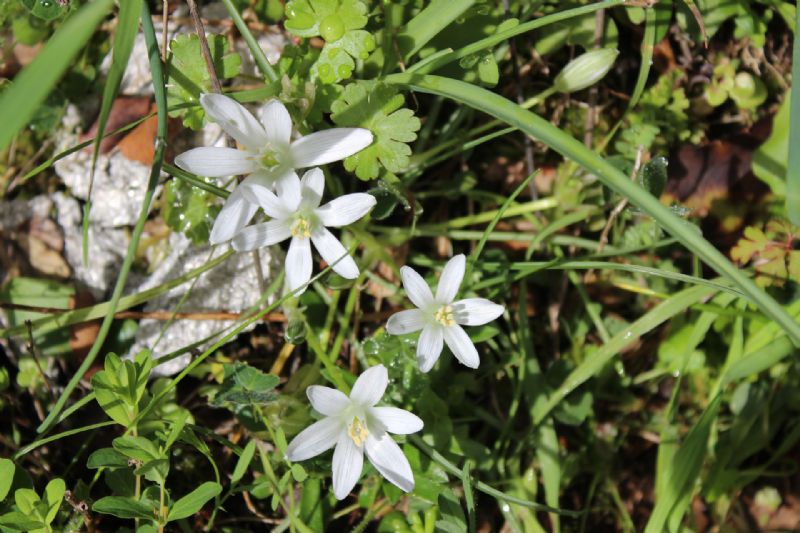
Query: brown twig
204	49
32	349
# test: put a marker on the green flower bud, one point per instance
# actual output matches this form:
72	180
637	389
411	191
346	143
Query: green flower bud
585	70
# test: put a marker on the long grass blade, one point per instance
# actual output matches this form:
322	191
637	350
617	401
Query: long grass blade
793	167
31	86
127	28
612	177
147	201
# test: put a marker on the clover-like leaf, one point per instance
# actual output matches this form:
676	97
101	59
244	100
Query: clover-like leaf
378	108
339	23
245	385
188	76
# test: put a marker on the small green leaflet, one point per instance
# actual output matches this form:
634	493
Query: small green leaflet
339	22
188	76
379	108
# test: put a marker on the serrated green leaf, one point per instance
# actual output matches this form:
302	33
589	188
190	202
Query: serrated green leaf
245	385
189	209
194	501
188	75
378	108
330	19
47	9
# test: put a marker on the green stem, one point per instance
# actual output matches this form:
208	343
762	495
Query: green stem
161	135
569	147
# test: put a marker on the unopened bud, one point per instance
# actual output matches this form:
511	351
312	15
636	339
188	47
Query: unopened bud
585	70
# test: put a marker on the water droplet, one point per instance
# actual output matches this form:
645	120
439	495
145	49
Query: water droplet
46	3
506	508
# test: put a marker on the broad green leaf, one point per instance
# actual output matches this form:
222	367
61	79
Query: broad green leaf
188	75
194	501
53	496
378	108
244	461
19	521
6	476
451	515
106	458
124	507
31	86
138	448
155	471
653	176
26	500
684	470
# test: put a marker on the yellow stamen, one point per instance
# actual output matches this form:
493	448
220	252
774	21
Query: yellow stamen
301	228
358	431
444	316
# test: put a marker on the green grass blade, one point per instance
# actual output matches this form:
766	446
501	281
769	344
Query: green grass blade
155	172
258	54
31	86
793	166
685	467
127	28
612	177
652	319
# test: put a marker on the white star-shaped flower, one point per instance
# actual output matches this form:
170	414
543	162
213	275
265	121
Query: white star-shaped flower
296	213
440	318
354	426
267	154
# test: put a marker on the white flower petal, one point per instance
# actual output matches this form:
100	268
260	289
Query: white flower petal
407	321
266	178
216	162
370	386
475	311
396	420
235	119
328	401
348	460
288	188
262	196
260	235
298	263
313	185
388	459
450	280
233	216
345	209
277	123
327	146
315	439
461	345
334	253
416	289
429	346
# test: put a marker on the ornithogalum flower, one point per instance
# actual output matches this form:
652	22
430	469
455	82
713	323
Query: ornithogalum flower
296	213
266	154
441	318
355	425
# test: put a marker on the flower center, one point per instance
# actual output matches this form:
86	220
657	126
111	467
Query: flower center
301	228
270	158
444	316
358	431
